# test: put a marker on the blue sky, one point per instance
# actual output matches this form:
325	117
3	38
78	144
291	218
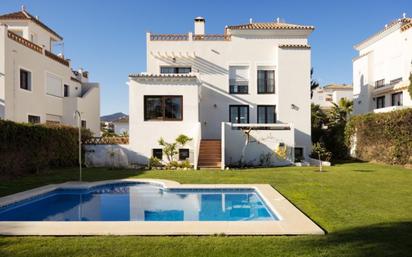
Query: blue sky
107	38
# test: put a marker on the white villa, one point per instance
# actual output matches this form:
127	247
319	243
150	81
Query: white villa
38	86
252	80
332	93
381	71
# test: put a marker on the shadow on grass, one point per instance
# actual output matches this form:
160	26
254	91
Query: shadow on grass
364	170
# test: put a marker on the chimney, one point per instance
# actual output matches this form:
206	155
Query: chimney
200	25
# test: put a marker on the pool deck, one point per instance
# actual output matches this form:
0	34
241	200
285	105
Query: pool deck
291	220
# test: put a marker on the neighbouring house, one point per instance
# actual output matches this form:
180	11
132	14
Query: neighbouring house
332	93
382	69
121	126
37	85
242	96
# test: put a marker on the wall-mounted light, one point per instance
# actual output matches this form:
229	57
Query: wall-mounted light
173	59
215	105
294	107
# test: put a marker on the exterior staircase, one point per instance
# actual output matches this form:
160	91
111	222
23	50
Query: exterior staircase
210	153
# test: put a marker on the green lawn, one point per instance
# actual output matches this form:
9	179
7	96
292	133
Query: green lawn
365	208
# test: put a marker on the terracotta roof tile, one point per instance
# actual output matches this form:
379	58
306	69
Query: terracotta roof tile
24	15
145	75
294	46
270	26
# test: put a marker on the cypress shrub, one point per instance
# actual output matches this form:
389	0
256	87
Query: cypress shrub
27	148
382	137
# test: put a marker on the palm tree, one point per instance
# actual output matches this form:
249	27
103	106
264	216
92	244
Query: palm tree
341	111
313	83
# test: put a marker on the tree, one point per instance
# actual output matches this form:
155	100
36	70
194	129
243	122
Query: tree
341	111
171	149
319	119
313	83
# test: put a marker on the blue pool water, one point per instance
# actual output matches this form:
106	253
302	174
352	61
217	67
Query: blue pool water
140	202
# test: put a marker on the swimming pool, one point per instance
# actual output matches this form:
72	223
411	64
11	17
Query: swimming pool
134	201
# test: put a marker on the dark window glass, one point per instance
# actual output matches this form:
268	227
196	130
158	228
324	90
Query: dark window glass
25	79
33	119
266	114
239	113
158	153
397	99
84	124
175	70
238	87
66	90
379	83
183	154
266	81
163	108
380	102
298	154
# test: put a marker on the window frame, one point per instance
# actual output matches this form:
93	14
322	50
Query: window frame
29	79
377	102
303	152
400	99
238	106
184	150
154	154
83	124
266	84
33	116
175	69
65	86
163	97
266	113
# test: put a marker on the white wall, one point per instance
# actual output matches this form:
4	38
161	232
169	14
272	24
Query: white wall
144	135
121	127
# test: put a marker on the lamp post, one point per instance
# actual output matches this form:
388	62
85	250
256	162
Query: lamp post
79	116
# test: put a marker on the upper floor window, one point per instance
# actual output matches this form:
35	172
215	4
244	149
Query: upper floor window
163	108
239	113
380	102
266	81
238	79
175	70
266	114
25	79
66	91
397	99
395	81
54	85
33	119
379	83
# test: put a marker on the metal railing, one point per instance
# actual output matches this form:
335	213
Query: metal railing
106	141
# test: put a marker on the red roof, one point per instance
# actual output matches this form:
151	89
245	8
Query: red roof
24	15
270	26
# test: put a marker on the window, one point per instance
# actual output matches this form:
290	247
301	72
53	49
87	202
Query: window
175	70
266	114
66	91
54	85
238	79
397	99
380	83
266	81
157	153
395	81
380	102
239	113
298	154
183	154
84	123
25	80
33	119
163	108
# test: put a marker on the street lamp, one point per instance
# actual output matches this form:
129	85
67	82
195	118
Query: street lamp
79	116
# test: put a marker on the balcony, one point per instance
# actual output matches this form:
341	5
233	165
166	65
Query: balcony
238	86
189	36
390	109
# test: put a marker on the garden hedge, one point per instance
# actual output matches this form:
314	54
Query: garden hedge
27	148
383	137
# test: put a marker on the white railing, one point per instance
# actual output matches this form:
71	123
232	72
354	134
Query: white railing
196	150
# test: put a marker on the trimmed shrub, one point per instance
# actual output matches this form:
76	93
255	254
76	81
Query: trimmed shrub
27	148
383	137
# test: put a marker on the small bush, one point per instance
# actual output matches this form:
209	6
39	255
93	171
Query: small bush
155	163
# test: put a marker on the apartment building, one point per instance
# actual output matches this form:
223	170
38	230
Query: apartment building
327	95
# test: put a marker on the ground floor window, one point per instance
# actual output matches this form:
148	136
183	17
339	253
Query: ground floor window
163	108
84	124
158	153
380	102
33	119
397	99
183	154
239	113
298	154
266	114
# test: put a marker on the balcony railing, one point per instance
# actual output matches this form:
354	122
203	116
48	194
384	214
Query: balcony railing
238	86
106	140
56	58
185	37
212	37
24	42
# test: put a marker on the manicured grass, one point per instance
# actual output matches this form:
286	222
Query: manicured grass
365	208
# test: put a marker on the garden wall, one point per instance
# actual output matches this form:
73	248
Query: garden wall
383	137
26	148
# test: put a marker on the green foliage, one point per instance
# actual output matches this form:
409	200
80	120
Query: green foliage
27	148
155	163
171	149
383	137
340	112
319	151
186	164
183	140
410	85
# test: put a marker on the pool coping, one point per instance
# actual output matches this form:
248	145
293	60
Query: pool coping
292	220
